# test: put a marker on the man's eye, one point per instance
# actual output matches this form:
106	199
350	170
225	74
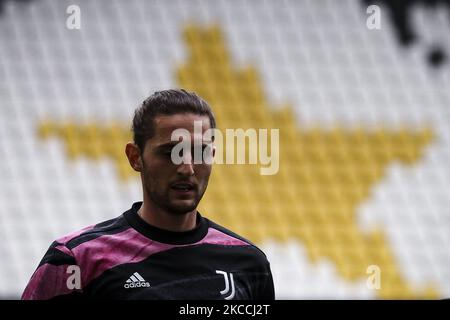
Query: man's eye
167	152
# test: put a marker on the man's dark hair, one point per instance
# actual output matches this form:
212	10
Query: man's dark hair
166	102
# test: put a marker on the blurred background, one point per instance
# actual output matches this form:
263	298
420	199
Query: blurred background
360	207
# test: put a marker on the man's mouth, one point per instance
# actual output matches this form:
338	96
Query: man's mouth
183	186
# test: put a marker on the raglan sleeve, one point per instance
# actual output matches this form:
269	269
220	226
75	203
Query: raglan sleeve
57	276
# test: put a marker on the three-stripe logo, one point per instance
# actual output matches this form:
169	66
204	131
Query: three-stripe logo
136	281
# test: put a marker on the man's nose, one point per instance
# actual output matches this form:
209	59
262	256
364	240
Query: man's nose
186	168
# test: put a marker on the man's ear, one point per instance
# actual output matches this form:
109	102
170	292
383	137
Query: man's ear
134	156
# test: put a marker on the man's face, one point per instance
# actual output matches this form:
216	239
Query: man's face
175	188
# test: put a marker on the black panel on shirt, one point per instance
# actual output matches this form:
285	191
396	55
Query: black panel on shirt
56	257
109	227
189	272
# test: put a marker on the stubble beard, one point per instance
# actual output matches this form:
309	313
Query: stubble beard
163	200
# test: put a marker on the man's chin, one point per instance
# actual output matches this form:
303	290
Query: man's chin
180	207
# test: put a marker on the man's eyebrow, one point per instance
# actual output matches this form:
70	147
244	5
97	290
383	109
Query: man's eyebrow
174	143
167	145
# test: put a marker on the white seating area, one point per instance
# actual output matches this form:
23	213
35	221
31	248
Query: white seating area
317	56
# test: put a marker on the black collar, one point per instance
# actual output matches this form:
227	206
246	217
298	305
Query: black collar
166	236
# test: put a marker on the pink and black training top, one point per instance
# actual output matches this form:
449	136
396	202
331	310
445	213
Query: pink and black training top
126	258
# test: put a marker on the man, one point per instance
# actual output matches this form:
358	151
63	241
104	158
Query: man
162	248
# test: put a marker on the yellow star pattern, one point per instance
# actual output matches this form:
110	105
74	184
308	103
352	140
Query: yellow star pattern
324	175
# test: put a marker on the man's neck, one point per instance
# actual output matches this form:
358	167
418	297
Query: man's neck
162	219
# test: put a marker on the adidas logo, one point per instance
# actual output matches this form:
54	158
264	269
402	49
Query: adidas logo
136	281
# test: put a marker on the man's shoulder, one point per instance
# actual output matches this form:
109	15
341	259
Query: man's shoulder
91	232
70	248
234	235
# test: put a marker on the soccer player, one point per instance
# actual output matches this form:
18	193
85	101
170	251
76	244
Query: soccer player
162	247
